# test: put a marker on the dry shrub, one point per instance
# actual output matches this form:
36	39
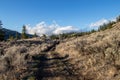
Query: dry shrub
16	55
90	57
95	56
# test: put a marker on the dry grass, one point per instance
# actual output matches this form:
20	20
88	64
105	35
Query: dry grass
95	56
90	57
15	56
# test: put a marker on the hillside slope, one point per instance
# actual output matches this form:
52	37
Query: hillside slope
9	33
90	57
95	56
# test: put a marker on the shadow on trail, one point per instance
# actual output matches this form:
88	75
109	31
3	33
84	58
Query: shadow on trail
50	67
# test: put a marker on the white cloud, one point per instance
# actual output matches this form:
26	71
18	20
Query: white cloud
43	28
98	23
66	29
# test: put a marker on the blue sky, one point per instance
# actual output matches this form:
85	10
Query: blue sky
76	13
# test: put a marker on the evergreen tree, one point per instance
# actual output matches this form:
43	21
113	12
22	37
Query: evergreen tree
92	31
24	33
106	26
54	37
35	35
118	19
1	24
2	34
44	36
16	37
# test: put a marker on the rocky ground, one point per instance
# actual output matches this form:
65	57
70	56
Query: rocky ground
90	57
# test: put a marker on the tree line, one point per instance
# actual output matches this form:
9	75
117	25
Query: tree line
24	34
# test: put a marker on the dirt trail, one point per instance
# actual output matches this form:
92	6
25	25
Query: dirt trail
52	66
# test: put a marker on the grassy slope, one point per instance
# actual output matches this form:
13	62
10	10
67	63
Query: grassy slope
95	56
90	57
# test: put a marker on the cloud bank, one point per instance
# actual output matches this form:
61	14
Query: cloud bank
43	28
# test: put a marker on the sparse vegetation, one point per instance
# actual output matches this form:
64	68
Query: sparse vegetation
93	55
11	38
24	33
118	19
106	26
35	35
54	37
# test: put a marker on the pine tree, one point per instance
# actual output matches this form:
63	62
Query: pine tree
118	18
16	37
35	35
1	24
2	34
44	36
24	33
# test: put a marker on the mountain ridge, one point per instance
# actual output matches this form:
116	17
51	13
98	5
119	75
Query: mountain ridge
13	33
